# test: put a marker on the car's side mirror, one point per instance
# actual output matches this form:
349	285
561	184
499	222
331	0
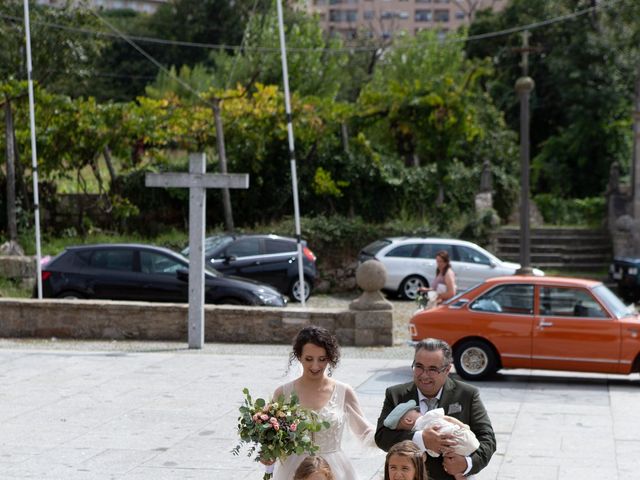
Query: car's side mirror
182	274
229	258
492	264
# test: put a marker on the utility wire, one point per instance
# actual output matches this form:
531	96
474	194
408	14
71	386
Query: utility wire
161	41
152	59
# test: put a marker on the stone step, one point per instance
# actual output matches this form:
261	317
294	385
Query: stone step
543	249
554	239
565	232
571	249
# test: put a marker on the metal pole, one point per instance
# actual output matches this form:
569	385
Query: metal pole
524	85
197	220
292	155
34	155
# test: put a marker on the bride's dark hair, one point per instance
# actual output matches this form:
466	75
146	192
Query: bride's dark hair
318	336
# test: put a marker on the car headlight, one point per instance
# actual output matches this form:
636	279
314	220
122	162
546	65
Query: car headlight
271	299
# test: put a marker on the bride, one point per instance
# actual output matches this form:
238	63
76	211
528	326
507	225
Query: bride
336	402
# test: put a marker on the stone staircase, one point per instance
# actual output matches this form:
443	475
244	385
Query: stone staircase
564	249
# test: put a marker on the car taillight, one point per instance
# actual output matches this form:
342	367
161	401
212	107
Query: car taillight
309	254
45	275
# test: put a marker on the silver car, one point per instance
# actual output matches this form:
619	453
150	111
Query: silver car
411	263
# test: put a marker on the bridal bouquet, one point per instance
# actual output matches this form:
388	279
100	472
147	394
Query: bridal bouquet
276	429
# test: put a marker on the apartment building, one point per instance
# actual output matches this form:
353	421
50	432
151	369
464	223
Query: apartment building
386	17
143	6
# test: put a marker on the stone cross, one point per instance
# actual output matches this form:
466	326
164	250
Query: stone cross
197	181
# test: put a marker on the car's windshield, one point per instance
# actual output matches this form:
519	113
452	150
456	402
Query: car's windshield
212	243
613	303
375	247
459	294
208	270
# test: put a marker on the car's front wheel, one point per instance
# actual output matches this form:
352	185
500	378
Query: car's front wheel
295	292
410	287
474	360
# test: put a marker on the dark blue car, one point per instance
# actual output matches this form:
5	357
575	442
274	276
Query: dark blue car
269	259
625	271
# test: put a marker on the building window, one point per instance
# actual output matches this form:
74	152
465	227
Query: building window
460	15
319	2
423	15
423	1
387	14
441	1
441	16
343	15
369	15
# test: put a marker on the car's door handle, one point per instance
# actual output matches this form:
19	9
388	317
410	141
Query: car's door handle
633	331
543	323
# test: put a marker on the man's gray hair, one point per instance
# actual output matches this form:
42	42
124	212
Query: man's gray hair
435	344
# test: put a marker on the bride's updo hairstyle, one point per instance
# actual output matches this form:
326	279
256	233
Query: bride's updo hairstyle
320	337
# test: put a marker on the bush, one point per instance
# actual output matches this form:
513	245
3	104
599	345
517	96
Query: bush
571	211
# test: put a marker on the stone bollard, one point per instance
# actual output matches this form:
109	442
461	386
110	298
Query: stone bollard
373	312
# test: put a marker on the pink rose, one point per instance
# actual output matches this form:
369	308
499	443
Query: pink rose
273	420
276	427
293	427
264	417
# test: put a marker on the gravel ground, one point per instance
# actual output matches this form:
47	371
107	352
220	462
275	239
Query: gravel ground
402	311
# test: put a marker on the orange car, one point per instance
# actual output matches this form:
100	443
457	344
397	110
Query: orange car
551	323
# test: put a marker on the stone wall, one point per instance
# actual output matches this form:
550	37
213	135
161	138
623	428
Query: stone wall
83	319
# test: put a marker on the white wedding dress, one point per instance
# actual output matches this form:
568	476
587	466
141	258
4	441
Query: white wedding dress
341	409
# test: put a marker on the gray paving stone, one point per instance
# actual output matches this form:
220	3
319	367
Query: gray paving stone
120	411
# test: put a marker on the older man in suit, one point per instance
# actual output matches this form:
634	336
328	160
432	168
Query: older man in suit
433	388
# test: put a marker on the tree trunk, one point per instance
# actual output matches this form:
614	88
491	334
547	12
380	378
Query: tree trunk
226	198
12	224
106	153
635	168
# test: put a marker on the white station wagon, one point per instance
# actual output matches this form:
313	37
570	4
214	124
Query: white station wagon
411	263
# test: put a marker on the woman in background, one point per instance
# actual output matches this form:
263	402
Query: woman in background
444	285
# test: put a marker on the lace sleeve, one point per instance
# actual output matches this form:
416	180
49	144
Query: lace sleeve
361	428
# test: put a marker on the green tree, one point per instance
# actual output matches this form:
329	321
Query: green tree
65	69
315	63
126	72
580	106
426	103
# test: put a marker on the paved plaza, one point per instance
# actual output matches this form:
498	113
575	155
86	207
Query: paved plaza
101	410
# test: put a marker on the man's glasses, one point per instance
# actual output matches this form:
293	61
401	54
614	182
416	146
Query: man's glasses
420	369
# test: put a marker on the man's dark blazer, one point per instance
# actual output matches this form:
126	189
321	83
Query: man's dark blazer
459	400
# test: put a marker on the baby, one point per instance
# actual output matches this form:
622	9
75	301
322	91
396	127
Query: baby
406	416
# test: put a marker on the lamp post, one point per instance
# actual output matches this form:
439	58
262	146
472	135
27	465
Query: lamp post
524	86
